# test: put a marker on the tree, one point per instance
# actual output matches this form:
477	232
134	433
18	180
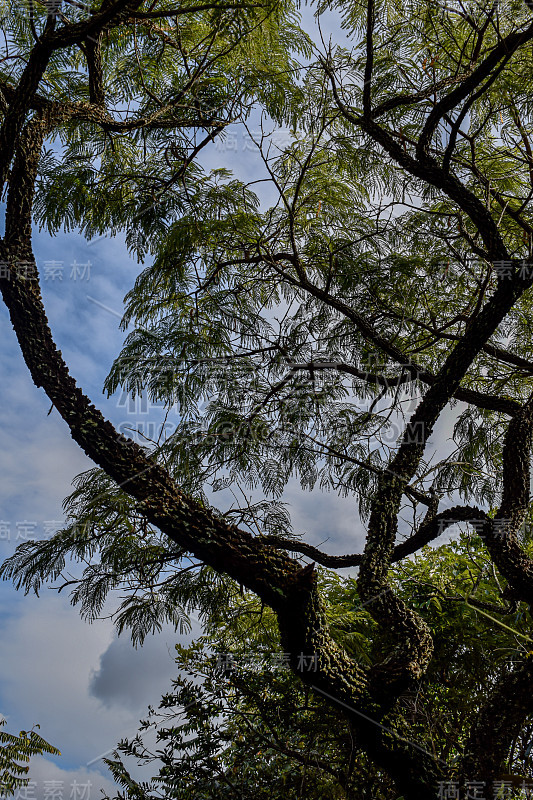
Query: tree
250	728
411	167
13	751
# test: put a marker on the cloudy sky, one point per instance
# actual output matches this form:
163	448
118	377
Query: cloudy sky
85	687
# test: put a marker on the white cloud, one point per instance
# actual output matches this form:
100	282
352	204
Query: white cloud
86	689
47	777
45	674
38	457
83	686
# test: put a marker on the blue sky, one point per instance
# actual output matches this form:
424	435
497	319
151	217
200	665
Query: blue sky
83	686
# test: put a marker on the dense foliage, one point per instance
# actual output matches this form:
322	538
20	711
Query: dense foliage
238	724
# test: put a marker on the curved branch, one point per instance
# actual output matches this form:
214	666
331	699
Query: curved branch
472	396
428	531
90	112
492	350
502	51
501	534
430	172
415	370
176	12
23	95
278	580
415	97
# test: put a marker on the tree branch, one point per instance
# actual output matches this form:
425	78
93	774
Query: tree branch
428	531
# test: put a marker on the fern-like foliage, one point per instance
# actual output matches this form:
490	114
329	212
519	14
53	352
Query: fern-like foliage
121	555
15	754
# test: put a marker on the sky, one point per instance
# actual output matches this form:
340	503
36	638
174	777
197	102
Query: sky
83	685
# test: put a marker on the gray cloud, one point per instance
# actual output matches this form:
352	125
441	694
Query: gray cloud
133	678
